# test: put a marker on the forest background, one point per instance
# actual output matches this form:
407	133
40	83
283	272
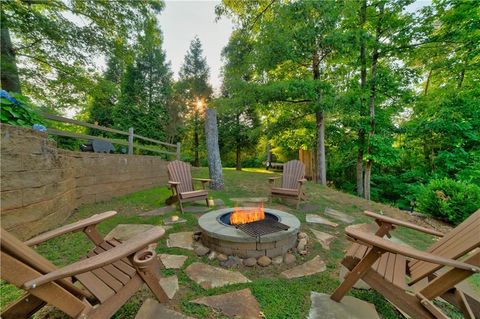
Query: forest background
385	98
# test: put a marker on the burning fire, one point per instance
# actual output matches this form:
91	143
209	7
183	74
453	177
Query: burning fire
244	215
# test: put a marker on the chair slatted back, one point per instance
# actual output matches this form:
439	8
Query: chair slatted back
17	249
461	240
179	171
293	171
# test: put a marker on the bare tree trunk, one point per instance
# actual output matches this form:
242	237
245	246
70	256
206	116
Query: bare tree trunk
9	72
238	163
373	94
320	119
196	142
213	151
427	85
363	85
321	172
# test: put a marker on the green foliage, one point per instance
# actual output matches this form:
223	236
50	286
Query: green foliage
20	112
448	199
56	42
146	87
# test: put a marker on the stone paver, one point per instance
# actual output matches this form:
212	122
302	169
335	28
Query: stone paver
181	240
308	268
196	209
124	232
349	308
339	215
317	219
216	202
172	261
158	212
236	304
169	285
325	239
152	309
310	207
211	277
168	221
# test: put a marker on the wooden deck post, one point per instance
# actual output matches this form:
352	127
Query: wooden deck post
178	151
130	141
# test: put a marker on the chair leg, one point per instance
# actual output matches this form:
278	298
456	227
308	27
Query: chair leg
208	204
180	204
148	266
356	273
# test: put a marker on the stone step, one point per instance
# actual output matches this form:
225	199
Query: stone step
349	308
152	309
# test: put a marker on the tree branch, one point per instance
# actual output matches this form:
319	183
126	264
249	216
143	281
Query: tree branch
45	62
261	14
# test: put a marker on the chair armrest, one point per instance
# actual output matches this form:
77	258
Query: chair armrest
386	245
385	219
108	257
172	183
203	180
77	226
302	181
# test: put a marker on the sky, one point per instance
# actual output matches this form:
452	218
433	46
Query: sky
180	21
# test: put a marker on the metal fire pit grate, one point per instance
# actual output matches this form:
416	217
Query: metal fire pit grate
262	227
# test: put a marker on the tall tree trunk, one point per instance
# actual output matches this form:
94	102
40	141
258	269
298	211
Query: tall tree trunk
427	85
196	142
320	121
238	164
373	94
321	172
213	151
363	102
9	72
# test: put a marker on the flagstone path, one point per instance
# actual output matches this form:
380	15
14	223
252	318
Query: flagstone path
172	261
349	308
308	268
237	304
158	212
169	285
325	239
181	240
339	215
317	219
124	232
152	309
211	277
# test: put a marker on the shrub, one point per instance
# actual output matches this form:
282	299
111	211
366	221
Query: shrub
448	199
17	110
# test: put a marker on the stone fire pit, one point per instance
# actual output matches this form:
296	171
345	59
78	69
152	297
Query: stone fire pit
224	238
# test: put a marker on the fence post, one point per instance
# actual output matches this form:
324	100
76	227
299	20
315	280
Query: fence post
178	151
130	141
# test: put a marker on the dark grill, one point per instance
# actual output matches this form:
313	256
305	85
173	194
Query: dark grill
262	227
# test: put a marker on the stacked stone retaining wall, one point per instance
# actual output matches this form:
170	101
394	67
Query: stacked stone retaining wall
41	185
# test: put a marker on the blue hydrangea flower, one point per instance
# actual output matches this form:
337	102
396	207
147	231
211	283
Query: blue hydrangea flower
4	94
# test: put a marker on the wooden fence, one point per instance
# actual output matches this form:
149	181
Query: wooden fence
129	140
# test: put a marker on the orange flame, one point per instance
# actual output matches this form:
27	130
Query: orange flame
244	215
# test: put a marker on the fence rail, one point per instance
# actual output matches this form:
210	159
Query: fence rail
130	134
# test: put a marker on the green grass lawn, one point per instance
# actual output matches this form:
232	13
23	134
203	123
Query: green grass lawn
278	297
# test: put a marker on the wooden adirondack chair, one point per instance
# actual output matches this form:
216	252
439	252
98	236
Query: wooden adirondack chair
111	273
292	181
180	182
385	265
